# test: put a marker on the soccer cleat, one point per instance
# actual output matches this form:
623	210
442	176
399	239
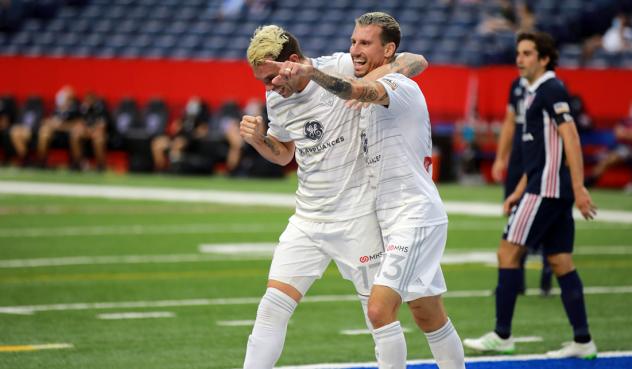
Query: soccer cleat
574	349
491	342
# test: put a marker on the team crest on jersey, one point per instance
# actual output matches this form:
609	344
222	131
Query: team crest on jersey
365	142
314	130
390	83
327	98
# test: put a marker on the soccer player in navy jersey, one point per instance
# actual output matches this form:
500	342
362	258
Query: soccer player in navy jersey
541	205
508	166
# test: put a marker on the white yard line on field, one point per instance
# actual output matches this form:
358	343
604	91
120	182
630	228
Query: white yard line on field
124	230
262	251
137	315
235	323
239	198
28	310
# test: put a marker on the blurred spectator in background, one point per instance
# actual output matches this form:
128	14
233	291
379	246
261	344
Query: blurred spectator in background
509	18
234	9
67	115
7	119
93	128
583	121
226	127
618	37
619	154
26	127
168	151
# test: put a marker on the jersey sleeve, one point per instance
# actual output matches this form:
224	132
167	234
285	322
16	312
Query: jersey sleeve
557	104
337	63
276	129
400	89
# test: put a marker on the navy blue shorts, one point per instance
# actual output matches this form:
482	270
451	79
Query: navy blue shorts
539	221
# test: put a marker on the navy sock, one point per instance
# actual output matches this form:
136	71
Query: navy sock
573	300
509	281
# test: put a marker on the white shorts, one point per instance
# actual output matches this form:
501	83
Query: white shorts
412	259
305	249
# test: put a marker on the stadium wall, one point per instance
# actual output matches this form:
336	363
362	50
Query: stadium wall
451	91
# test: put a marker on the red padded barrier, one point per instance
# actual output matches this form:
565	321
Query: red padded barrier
606	93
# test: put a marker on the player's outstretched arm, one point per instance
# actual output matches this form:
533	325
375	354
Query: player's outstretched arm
345	88
572	149
252	129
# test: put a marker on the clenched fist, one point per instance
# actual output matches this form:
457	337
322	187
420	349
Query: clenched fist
252	129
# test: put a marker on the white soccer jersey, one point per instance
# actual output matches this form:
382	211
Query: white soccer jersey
397	145
332	183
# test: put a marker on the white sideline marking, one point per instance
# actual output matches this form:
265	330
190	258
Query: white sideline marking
136	229
476	359
236	323
238	248
146	193
152	314
241	198
359	332
263	251
28	310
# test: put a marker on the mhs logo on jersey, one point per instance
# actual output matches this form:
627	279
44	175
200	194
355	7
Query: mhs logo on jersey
367	258
392	247
314	130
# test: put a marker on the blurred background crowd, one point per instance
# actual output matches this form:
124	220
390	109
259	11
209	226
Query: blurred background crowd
82	128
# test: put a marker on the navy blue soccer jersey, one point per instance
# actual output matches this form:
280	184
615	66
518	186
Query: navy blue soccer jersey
547	106
514	167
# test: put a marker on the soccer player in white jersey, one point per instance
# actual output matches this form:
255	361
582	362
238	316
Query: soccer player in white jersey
335	205
398	147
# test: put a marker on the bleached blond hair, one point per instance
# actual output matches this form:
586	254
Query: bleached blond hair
266	43
272	42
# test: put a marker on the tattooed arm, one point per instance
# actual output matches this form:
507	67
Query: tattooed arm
407	64
348	89
252	130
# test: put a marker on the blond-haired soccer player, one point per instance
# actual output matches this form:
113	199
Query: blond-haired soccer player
335	204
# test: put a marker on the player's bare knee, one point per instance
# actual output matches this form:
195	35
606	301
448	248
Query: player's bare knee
509	255
381	314
561	264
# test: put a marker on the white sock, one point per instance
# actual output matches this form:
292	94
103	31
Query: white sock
364	300
446	347
268	335
391	345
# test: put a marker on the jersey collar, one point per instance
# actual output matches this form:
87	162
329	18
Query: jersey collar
543	78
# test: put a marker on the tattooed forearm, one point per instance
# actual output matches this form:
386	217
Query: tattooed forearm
408	65
336	85
272	145
368	92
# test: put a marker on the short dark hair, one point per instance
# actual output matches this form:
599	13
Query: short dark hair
391	31
292	46
544	44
